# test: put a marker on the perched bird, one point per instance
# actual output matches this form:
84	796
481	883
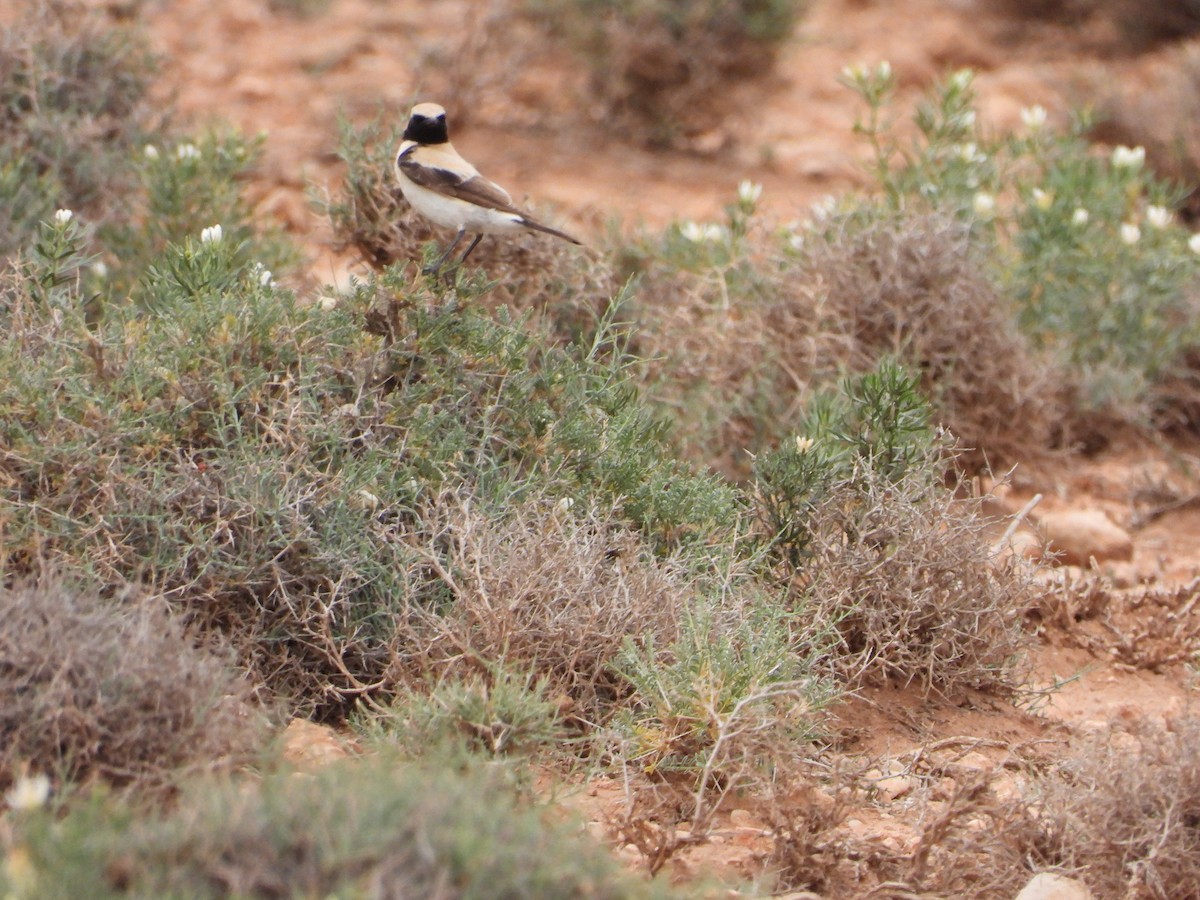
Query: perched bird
449	191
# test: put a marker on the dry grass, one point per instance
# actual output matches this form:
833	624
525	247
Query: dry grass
552	592
115	690
916	592
1124	810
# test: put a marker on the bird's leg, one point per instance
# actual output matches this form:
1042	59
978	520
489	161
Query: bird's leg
437	266
474	243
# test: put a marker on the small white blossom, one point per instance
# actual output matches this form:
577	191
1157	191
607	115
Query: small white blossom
883	71
100	269
1042	199
1158	216
749	192
29	793
150	151
211	235
823	208
1034	117
856	72
961	80
984	204
262	274
804	444
1130	233
970	153
698	233
187	151
63	216
563	506
1128	157
327	303
1194	243
1080	217
796	241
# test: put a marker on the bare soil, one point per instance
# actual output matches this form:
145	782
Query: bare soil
520	118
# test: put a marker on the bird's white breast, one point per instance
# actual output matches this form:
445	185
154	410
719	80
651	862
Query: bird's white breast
450	212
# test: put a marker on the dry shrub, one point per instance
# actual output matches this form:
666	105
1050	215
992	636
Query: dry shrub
916	592
1124	811
731	380
1122	26
116	690
551	591
662	69
911	285
1150	628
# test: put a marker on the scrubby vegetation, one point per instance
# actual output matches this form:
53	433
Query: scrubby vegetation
661	69
652	511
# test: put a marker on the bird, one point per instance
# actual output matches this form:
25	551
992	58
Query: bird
448	191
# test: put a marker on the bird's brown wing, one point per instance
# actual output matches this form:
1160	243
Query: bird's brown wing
476	189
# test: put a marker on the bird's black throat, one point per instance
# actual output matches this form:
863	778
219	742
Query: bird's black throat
427	131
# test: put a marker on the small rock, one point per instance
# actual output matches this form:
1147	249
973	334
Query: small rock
1049	886
1080	535
895	786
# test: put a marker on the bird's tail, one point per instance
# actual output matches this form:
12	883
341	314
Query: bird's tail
538	226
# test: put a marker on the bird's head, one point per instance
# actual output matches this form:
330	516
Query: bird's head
427	124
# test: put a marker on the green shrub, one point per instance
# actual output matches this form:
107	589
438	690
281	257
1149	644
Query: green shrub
1101	271
733	690
378	828
74	110
259	460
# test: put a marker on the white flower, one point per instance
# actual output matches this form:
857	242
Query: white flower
1194	243
823	208
187	151
1080	217
970	153
1034	117
150	151
30	792
804	444
1042	199
984	205
63	216
856	72
698	234
262	274
211	235
962	79
796	241
1130	233
100	269
883	71
749	192
967	118
1128	157
1158	216
563	506
327	303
